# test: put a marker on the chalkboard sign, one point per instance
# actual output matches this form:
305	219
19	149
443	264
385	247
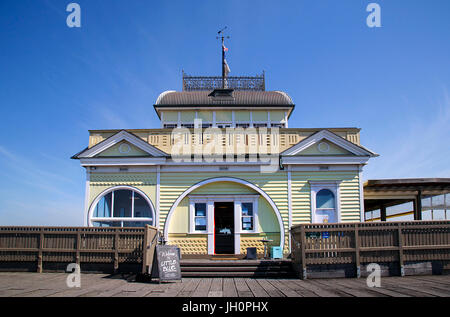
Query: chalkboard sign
166	264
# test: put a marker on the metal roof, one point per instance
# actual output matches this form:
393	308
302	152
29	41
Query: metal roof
238	98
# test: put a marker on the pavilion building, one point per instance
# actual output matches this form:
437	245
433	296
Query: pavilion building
224	170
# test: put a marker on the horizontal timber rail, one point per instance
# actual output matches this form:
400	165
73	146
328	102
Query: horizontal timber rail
356	244
53	248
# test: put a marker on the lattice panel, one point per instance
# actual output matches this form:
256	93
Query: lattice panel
191	245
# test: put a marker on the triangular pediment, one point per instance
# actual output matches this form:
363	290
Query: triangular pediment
326	143
324	147
122	144
125	149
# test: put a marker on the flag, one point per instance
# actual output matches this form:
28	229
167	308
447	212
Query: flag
227	68
224	48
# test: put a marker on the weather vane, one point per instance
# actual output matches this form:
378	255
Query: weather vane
225	67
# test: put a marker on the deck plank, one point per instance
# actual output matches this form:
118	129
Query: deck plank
216	289
303	292
229	288
269	288
189	288
256	288
284	288
203	287
414	288
306	287
355	288
242	288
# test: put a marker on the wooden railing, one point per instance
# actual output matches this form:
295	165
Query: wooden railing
41	246
364	243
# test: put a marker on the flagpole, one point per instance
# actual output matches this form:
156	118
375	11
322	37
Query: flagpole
223	63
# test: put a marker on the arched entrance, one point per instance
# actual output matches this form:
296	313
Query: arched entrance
202	211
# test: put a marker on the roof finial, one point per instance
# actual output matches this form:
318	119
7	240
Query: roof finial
225	67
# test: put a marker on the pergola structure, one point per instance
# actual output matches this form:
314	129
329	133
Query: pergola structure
380	194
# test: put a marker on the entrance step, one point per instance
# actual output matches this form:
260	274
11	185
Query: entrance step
237	268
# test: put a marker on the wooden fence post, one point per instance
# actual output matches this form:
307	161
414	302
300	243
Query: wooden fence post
400	250
77	252
41	247
357	258
144	250
303	253
116	251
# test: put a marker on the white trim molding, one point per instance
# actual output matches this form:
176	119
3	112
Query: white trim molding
331	137
334	187
289	183
324	160
125	161
155	215
86	197
361	195
233	180
119	137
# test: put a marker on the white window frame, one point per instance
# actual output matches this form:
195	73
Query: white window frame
210	200
334	187
111	190
192	216
255	221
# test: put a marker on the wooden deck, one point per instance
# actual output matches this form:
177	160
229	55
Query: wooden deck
102	285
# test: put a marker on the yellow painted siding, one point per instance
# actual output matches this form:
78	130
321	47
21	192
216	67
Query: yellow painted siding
301	195
275	185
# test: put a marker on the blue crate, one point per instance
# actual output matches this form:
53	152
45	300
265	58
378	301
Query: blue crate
276	253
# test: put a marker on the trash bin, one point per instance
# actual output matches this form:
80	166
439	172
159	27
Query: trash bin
276	253
251	254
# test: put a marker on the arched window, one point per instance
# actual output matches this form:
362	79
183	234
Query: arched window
325	206
122	207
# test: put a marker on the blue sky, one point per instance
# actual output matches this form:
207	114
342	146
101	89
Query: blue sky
57	82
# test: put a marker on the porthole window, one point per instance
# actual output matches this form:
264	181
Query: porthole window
124	148
122	207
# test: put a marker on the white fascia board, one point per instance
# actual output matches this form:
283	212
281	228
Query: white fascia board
119	137
126	161
333	138
326	160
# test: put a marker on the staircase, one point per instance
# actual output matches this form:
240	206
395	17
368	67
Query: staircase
237	268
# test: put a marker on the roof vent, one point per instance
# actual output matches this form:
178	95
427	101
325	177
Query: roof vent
222	93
